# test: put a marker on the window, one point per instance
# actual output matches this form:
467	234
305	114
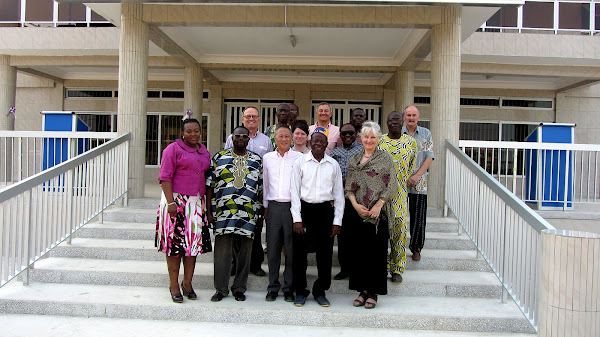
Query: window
480	101
152	139
10	10
538	14
505	17
524	103
97	17
597	16
422	100
478	131
172	94
89	93
39	10
71	12
573	15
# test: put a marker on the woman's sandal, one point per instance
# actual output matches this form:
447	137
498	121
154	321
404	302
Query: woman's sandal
371	305
361	299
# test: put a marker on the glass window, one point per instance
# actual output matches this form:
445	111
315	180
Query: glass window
573	15
538	14
505	17
478	131
71	12
597	17
152	140
10	10
39	10
97	17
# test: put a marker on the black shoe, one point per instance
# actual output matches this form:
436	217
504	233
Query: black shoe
289	296
271	296
322	300
341	276
300	300
258	272
396	278
177	298
190	294
239	296
217	297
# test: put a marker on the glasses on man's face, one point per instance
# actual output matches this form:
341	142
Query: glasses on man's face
293	110
243	136
347	133
251	116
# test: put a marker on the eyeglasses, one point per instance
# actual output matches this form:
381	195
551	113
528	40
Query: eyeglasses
293	110
251	116
245	136
347	133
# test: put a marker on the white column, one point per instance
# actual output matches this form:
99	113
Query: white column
405	89
445	96
8	91
192	91
133	88
569	295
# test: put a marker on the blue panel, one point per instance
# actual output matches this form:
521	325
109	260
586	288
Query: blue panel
58	122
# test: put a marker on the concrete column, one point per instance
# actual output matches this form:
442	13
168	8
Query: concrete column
216	123
405	89
133	87
303	101
192	91
8	91
569	298
445	96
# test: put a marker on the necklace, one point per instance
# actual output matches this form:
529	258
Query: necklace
364	155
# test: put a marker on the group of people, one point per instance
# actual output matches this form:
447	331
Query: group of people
308	184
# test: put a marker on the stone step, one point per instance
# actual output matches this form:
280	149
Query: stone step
144	250
154	303
68	326
154	273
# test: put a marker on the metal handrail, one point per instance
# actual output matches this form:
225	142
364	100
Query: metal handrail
40	212
504	229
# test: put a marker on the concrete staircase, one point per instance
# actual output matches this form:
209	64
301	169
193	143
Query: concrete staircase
112	270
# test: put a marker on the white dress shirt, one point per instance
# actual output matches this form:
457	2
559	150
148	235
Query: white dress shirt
316	182
277	176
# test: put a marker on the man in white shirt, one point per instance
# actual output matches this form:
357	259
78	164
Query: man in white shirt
317	194
277	176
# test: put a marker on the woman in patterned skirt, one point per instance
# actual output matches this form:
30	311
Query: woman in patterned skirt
182	228
369	187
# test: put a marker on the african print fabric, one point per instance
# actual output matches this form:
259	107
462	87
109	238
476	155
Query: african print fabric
424	151
403	151
187	234
237	181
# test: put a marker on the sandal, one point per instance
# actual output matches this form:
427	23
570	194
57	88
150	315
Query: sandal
361	299
371	305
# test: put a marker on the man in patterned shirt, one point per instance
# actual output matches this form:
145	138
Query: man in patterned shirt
283	116
403	149
417	183
235	183
342	154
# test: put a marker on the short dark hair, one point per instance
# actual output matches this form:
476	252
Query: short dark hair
349	124
187	121
300	124
240	127
354	110
282	126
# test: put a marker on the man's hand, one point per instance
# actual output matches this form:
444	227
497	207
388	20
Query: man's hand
298	229
265	212
335	230
413	180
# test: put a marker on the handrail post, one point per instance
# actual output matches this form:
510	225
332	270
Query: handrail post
102	185
126	196
29	230
504	264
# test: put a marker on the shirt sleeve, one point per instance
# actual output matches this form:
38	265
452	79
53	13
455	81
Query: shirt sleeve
168	164
265	182
429	147
229	142
211	178
295	189
338	195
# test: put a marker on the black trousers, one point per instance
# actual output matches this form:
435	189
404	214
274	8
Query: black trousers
317	220
343	239
417	207
257	255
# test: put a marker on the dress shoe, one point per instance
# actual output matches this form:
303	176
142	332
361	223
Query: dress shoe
191	295
271	296
416	256
217	297
396	278
300	300
259	272
177	298
239	296
341	276
322	300
289	296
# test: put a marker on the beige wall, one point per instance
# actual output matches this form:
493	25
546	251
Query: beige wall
582	107
36	94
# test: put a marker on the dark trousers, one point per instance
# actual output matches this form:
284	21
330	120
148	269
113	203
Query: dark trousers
279	233
317	220
257	255
227	247
417	207
343	242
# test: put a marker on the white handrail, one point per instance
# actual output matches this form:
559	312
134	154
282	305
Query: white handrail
39	212
545	175
505	231
25	153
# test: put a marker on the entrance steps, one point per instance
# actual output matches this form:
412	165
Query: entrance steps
112	271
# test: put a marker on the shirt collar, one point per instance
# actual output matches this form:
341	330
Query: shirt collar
309	156
405	129
187	148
